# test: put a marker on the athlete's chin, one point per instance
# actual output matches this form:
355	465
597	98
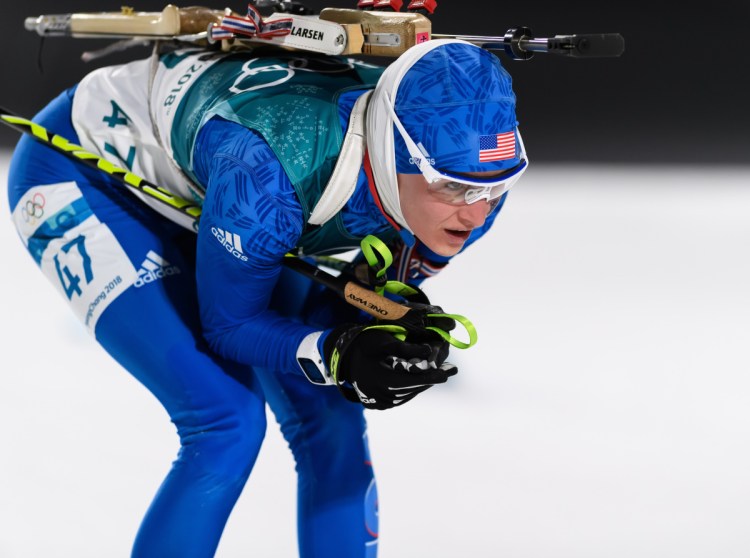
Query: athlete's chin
447	242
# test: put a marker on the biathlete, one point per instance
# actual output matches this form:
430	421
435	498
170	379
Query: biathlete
285	152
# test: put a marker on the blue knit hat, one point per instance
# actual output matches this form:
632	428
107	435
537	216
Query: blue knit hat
458	103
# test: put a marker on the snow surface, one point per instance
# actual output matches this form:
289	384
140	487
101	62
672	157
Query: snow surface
604	412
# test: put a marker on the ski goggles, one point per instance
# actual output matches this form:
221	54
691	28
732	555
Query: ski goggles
458	189
456	193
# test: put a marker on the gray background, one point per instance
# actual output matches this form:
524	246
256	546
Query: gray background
677	95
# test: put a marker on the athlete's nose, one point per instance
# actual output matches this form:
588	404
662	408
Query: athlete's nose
474	214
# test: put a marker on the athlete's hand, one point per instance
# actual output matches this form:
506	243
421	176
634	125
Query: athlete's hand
376	369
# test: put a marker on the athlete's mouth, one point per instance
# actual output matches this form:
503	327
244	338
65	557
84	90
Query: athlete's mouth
463	235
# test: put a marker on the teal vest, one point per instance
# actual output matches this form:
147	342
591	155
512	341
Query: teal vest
291	100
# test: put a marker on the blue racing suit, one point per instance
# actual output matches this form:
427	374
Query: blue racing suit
210	324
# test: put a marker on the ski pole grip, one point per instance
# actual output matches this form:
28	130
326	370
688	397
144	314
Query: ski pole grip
374	304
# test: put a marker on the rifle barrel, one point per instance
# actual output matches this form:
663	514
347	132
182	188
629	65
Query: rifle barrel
518	43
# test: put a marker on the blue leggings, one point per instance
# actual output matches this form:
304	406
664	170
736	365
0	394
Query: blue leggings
78	222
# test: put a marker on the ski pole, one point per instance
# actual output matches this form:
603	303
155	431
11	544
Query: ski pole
183	208
188	214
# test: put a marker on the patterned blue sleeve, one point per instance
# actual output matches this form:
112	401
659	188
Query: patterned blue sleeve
251	218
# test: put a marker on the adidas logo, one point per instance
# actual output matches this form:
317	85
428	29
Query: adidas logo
153	268
230	241
363	396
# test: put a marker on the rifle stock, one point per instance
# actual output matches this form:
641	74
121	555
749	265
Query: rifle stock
382	33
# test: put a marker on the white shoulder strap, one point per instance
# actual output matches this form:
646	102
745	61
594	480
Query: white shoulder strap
343	181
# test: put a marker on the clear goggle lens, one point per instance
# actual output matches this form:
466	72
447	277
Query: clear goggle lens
457	193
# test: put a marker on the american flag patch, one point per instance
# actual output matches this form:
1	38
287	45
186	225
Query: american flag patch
497	147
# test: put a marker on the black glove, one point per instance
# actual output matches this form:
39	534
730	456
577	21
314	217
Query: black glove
374	368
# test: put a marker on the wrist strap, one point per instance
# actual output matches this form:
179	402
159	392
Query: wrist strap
311	361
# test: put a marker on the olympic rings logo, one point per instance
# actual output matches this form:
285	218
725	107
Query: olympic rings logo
33	209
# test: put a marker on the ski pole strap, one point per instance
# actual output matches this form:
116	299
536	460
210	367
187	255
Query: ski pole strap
464	321
379	258
400	289
401	333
